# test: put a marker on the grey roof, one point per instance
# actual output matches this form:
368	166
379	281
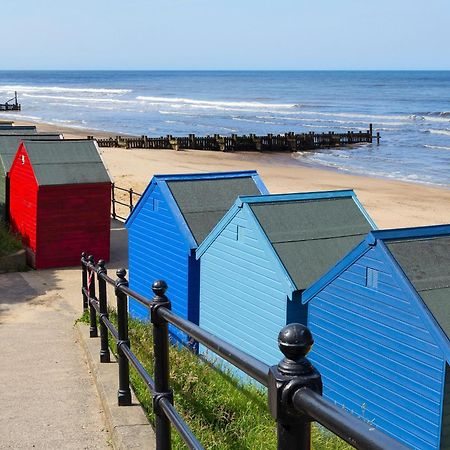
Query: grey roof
23	129
310	236
426	263
204	202
10	143
66	162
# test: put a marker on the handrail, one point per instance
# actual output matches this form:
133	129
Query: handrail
129	205
294	385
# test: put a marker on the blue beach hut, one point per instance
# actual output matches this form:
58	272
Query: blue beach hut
381	325
173	216
263	254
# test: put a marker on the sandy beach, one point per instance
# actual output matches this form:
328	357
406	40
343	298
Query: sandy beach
392	204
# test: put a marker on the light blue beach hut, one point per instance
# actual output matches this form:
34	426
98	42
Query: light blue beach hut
381	325
173	216
263	254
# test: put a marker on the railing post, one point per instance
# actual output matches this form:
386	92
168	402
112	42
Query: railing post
93	332
161	352
124	393
103	302
131	200
84	279
113	200
292	373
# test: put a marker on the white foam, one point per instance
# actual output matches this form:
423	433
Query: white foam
57	89
437	147
441	132
174	101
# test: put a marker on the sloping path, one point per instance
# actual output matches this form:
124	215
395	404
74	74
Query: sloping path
48	399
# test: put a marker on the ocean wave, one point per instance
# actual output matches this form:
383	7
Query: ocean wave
57	89
440	132
437	147
19	116
213	104
243	119
79	99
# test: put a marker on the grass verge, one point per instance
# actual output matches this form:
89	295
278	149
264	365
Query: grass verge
222	413
8	242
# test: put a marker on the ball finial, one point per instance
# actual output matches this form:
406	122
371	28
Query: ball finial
91	259
295	341
159	287
101	263
83	255
121	273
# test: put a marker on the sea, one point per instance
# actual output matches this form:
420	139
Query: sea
410	109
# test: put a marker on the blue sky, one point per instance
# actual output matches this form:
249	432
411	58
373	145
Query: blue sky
225	34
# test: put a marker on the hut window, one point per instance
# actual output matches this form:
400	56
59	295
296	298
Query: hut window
372	278
155	205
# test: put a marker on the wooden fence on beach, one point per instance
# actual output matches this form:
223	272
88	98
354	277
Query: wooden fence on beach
288	142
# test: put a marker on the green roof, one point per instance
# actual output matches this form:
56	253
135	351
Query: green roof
11	129
66	162
426	263
10	143
204	202
311	236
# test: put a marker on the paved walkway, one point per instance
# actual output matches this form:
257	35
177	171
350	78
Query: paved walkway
48	399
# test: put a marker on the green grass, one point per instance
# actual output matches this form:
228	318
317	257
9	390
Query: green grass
8	242
221	412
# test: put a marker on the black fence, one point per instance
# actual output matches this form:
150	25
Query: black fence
294	385
122	202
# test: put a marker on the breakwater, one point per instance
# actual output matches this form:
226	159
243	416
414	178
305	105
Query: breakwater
288	142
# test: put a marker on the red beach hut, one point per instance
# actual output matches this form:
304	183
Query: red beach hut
60	193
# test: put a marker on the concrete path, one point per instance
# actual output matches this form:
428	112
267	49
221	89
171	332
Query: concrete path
48	398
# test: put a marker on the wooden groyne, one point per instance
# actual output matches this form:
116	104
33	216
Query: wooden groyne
11	104
288	142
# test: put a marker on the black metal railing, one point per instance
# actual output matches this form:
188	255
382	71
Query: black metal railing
294	385
127	202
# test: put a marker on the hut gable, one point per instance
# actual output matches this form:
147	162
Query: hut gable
372	319
66	162
308	232
172	217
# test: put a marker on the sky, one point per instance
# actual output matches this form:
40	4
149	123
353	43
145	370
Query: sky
225	34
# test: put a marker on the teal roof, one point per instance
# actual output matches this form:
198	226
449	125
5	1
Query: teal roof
203	202
311	235
10	143
11	129
426	263
308	232
58	162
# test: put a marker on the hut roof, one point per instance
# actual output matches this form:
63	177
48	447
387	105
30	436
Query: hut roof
309	232
422	255
20	129
426	263
203	202
57	162
10	143
203	199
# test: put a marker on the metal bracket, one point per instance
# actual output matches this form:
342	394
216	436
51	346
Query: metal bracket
156	399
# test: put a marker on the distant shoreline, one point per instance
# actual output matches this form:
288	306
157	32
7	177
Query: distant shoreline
283	158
